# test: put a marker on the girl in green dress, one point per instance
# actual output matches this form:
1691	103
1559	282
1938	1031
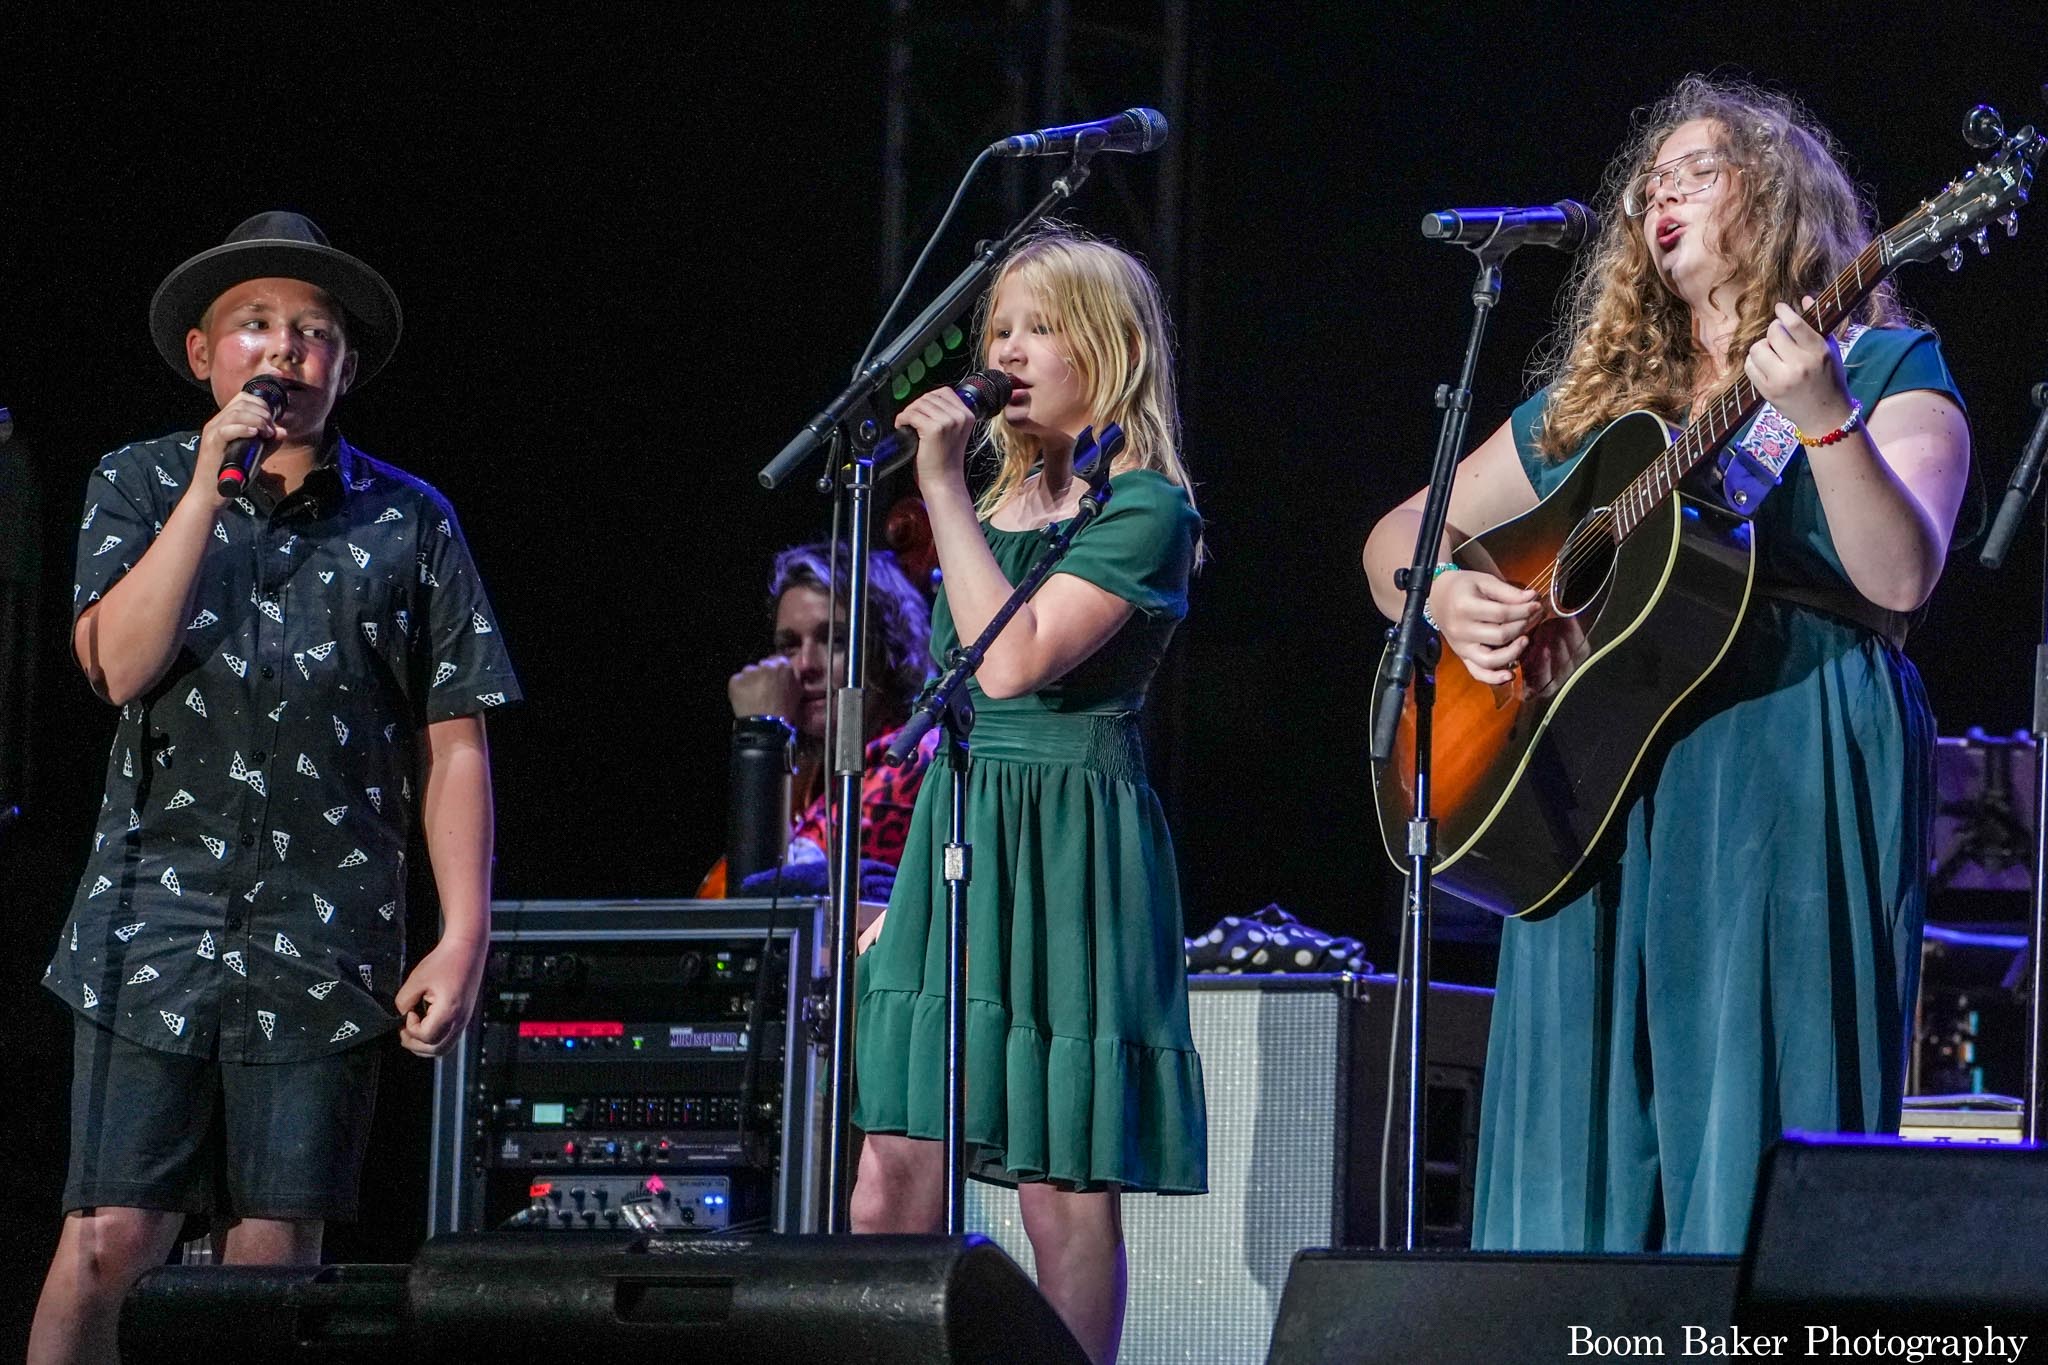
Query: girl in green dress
1082	1078
1746	964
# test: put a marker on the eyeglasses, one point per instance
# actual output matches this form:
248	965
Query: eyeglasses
1688	175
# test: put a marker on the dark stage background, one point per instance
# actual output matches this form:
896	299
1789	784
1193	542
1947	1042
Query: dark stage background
637	250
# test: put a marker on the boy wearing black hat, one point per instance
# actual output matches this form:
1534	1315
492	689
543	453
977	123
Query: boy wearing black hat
297	666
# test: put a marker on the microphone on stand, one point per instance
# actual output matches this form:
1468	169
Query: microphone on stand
1566	225
1134	130
985	392
242	456
2019	489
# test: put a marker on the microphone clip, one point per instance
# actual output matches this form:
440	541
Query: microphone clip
1085	148
1096	454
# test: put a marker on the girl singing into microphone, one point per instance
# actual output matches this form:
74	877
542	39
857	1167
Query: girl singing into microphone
1746	962
1082	1078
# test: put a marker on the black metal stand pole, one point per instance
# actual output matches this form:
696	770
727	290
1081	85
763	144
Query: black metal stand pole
2035	1094
959	871
1413	660
1415	966
848	767
851	413
906	350
2019	491
945	703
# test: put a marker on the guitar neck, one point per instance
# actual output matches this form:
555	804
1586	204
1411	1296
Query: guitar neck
1721	415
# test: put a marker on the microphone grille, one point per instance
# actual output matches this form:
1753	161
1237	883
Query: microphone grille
269	390
986	392
1152	127
1581	224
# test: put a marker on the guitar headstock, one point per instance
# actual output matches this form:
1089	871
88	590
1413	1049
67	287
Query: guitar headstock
1992	191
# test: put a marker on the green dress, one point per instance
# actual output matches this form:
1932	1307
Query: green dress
1080	1066
1748	965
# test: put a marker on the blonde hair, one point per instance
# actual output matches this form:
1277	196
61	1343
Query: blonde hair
1791	221
1106	308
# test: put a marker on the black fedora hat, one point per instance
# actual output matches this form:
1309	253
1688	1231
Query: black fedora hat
288	246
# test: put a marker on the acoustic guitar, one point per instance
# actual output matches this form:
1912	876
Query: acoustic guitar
1642	587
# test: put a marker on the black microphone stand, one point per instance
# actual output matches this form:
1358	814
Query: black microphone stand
2019	491
850	428
1412	660
946	703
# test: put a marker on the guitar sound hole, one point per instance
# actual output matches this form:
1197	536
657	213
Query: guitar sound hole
1582	566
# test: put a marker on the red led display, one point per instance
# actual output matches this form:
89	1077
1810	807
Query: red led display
567	1028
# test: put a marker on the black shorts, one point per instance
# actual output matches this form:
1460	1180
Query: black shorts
155	1130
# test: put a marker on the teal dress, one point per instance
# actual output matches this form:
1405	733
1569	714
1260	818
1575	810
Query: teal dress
1749	964
1080	1066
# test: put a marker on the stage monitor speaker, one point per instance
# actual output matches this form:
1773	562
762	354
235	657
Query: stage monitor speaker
1393	1307
1295	1068
510	1298
661	1298
266	1315
1877	1233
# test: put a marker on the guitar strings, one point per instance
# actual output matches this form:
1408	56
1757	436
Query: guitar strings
1686	451
1688	447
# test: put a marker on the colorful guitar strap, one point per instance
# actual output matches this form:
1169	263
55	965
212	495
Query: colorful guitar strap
1754	460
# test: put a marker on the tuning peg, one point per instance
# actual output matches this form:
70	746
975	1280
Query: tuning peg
2010	221
1954	255
1982	127
1983	247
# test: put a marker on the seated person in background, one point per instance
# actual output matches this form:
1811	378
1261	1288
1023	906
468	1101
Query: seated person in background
796	682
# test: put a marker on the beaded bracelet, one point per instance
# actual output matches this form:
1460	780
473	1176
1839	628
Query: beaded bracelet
1435	574
1853	421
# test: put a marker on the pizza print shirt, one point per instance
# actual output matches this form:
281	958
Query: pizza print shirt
245	896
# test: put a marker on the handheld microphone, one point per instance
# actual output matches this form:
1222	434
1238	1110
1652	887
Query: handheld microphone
985	392
239	461
1134	130
1566	225
1091	452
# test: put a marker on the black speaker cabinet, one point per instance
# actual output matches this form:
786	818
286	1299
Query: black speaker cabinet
655	1298
1393	1308
1295	1068
267	1315
509	1298
1910	1236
